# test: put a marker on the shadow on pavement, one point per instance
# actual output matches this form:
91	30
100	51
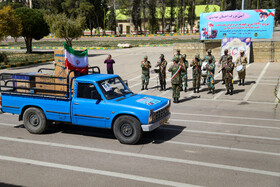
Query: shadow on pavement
162	134
238	91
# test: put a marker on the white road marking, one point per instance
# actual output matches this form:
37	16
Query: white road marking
225	148
225	134
249	93
228	117
93	171
7	124
227	124
237	101
145	156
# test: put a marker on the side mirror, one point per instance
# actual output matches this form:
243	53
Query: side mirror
126	82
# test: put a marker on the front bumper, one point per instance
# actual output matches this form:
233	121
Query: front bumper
153	126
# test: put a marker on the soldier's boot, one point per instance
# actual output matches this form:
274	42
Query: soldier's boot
213	91
243	80
142	87
239	82
161	87
164	87
231	92
185	89
194	90
146	87
223	82
177	100
197	90
174	100
227	92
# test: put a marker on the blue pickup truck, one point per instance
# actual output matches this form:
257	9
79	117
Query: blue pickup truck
96	100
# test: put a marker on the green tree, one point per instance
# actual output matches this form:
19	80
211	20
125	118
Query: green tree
33	25
112	24
10	23
171	4
51	6
64	27
191	14
153	23
162	4
136	14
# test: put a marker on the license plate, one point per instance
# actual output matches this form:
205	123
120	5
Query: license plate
163	121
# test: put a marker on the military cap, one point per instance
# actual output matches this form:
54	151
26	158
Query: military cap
146	56
178	50
161	55
242	51
197	56
226	50
209	51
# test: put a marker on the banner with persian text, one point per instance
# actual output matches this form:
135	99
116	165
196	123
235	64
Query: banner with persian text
255	24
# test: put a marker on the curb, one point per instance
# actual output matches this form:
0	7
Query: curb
91	48
12	47
132	35
156	45
19	64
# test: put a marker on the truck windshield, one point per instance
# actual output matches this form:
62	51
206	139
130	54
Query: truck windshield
113	88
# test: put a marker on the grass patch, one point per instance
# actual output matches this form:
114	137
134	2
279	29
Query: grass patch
101	43
16	57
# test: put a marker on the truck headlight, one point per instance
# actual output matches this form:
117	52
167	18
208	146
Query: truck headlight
151	115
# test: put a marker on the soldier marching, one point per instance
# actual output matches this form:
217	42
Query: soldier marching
162	63
222	62
145	65
196	67
242	62
210	75
229	66
176	70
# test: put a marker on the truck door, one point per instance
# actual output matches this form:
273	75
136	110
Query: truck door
88	108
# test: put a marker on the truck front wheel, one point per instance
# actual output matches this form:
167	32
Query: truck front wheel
35	120
127	129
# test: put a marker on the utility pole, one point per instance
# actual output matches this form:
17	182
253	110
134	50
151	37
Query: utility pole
242	4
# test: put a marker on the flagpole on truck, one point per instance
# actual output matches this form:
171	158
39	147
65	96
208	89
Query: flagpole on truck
242	4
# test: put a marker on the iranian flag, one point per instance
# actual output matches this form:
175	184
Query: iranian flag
76	60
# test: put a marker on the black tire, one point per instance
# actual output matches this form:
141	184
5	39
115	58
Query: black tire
35	120
127	129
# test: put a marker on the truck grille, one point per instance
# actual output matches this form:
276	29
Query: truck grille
161	113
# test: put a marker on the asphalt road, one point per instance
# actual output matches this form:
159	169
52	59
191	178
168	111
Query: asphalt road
211	140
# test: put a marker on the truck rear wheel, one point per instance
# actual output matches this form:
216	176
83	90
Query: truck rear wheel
35	120
127	129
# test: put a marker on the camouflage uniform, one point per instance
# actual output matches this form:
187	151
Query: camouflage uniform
207	57
223	60
184	77
210	76
162	72
242	60
179	57
229	66
176	70
196	66
145	65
